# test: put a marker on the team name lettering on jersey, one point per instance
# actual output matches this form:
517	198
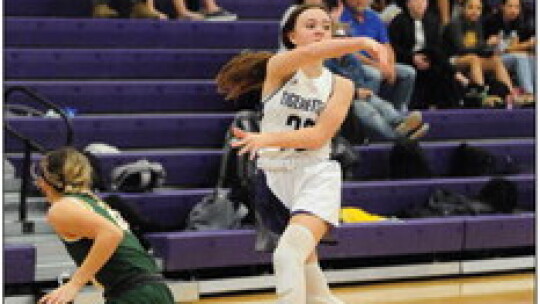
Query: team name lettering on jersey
295	101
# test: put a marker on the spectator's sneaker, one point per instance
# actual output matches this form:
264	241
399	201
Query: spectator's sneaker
191	16
141	11
419	132
220	15
411	122
104	11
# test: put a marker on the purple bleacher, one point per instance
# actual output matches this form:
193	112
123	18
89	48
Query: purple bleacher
388	238
114	63
236	247
208	249
472	123
207	130
165	206
381	197
246	9
135	96
501	231
110	33
19	264
198	168
375	157
173	131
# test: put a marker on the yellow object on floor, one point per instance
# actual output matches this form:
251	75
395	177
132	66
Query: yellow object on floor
357	215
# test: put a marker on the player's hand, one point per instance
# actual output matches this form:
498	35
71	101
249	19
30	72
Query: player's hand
375	50
61	295
247	142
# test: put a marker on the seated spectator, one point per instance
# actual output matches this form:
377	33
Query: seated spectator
139	9
464	43
441	10
414	35
516	42
373	112
212	11
393	81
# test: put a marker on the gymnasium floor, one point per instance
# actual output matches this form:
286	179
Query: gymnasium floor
493	289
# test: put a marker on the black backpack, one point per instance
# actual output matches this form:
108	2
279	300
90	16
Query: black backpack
443	202
407	160
343	152
138	176
501	194
467	160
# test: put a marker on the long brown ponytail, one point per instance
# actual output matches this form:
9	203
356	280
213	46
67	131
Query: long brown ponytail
243	73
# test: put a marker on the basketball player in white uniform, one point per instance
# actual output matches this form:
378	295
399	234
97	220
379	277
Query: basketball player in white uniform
304	106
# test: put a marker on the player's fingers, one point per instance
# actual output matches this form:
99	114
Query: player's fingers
237	143
244	150
239	133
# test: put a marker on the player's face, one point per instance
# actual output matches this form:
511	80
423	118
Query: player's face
473	10
511	10
312	25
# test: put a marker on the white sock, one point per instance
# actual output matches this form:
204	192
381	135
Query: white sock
317	289
294	247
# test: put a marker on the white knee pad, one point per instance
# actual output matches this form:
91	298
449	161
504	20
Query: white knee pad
294	247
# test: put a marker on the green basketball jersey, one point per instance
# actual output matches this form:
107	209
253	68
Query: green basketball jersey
128	260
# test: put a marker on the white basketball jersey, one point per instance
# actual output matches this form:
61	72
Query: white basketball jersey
297	104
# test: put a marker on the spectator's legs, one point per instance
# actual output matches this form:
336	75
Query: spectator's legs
141	9
518	63
399	94
211	6
532	66
474	64
495	64
103	10
372	119
373	78
386	110
152	6
215	13
182	12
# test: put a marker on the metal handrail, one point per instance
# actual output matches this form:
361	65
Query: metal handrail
32	146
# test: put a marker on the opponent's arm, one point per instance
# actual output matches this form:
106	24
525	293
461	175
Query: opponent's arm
70	219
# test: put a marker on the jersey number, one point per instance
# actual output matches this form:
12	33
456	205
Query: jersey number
296	122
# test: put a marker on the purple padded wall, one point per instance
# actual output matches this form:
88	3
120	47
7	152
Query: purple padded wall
134	96
199	168
501	231
111	33
114	63
19	264
207	130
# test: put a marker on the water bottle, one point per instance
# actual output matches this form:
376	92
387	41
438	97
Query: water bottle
503	43
70	112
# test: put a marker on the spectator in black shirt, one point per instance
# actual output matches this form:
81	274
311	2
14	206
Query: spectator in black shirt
516	42
414	35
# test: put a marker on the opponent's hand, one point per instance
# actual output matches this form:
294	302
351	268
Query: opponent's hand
61	295
248	142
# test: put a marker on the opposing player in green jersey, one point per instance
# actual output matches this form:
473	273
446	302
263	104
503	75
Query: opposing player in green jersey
96	237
